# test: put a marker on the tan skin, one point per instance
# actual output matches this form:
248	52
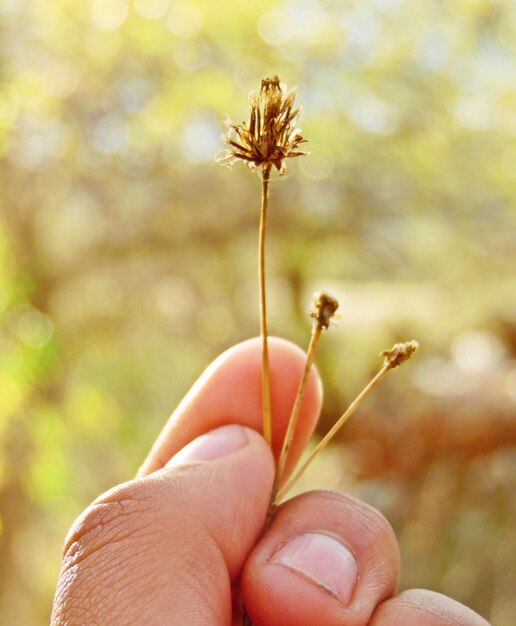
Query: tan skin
181	544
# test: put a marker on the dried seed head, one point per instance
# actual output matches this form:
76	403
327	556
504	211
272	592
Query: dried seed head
270	135
323	309
399	353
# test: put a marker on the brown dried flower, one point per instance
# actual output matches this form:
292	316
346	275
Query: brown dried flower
323	309
270	136
399	353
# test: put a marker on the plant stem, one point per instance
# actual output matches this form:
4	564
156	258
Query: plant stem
266	386
351	409
289	435
266	393
312	347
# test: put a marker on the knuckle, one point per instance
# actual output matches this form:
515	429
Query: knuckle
120	514
370	521
378	525
106	549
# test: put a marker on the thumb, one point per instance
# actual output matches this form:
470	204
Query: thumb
166	549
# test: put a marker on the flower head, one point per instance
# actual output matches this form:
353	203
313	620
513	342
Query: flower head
399	353
323	310
270	136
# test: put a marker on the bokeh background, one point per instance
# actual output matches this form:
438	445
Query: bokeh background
127	257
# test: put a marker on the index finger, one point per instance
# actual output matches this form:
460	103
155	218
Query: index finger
230	392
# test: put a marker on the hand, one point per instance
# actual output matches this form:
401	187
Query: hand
177	544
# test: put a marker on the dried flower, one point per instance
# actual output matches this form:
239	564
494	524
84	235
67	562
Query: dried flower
270	136
323	309
399	353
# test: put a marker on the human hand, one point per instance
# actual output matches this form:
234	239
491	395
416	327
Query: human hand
180	543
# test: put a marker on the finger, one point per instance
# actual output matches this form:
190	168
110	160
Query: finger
230	391
425	608
165	549
326	559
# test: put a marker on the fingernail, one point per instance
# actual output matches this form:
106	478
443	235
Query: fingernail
323	560
212	445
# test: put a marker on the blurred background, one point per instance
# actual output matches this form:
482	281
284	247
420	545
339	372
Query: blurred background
128	258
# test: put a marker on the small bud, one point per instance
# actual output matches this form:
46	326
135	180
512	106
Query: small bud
399	353
323	309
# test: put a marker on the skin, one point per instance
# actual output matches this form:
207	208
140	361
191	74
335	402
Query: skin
182	543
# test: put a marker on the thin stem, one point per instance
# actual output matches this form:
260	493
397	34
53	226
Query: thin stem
289	435
266	393
351	409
